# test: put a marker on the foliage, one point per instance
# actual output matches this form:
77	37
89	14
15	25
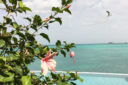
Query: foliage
19	47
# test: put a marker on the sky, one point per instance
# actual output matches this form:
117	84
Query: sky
88	23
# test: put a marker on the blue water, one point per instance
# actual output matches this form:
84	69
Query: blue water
107	58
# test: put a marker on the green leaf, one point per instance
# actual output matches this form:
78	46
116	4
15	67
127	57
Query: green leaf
63	52
18	70
45	36
33	26
69	1
26	9
68	11
21	34
81	80
15	25
12	57
30	37
37	20
15	40
46	26
57	9
63	2
27	18
2	42
13	1
5	3
26	80
31	50
21	4
58	43
59	20
22	7
51	21
3	58
8	78
8	20
27	44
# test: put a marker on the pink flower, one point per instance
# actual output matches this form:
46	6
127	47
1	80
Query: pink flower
48	63
67	6
72	54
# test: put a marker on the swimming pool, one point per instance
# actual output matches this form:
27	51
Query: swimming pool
94	78
102	80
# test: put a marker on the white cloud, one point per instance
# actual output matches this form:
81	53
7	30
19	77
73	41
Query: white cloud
42	6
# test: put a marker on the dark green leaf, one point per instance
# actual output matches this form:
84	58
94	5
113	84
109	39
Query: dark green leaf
13	1
69	1
37	20
26	9
21	34
30	37
57	9
46	26
45	36
63	52
59	20
51	21
30	50
5	3
33	26
15	40
68	11
8	20
63	2
27	18
58	43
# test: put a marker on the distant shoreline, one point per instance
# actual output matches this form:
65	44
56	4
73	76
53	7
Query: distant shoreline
93	44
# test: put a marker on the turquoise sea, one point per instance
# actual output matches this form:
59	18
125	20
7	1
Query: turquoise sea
106	58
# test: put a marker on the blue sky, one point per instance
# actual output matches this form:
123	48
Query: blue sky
88	23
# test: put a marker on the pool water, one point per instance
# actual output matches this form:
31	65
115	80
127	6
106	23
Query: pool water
102	80
94	79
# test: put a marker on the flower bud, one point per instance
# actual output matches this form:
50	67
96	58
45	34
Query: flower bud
67	6
72	55
46	20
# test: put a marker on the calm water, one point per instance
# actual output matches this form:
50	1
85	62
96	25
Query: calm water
108	58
